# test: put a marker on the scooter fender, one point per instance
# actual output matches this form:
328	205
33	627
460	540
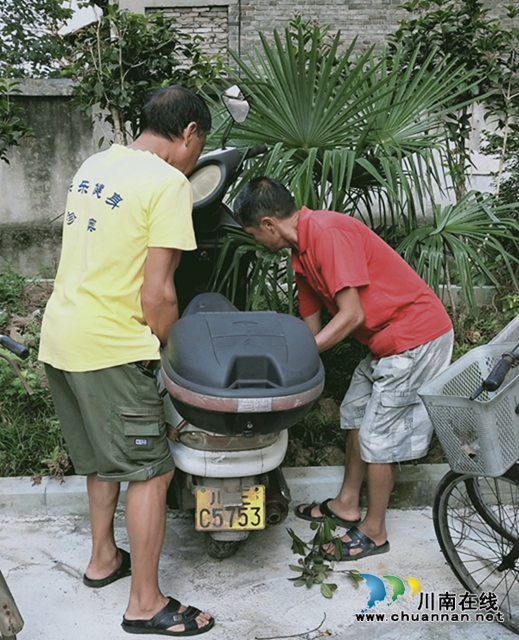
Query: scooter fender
230	464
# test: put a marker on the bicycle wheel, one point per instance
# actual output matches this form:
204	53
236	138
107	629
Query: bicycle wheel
476	521
493	499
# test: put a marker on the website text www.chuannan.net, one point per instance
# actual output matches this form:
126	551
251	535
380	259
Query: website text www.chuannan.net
403	616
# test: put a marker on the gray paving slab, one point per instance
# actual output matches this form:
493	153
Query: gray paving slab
43	555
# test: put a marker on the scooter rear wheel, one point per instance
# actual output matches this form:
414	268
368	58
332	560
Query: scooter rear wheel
221	548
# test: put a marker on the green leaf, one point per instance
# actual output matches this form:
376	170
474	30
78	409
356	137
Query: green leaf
328	589
329	527
118	61
320	568
298	546
12	118
368	134
295	567
355	577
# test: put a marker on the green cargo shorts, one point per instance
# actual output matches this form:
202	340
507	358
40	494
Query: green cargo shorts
112	421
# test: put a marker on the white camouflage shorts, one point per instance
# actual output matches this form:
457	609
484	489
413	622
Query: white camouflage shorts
383	403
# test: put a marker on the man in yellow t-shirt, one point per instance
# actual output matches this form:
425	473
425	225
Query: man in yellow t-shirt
127	221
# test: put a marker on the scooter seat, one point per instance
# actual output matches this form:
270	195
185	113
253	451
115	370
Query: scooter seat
240	373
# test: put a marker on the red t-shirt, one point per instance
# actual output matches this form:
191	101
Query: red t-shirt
337	251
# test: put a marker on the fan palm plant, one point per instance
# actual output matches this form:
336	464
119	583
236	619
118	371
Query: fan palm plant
352	132
468	237
358	133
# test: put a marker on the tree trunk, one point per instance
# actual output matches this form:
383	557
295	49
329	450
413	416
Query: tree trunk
119	130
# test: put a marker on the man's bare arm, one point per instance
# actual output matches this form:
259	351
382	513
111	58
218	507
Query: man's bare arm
314	322
158	294
349	317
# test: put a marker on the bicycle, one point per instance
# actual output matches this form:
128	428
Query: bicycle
474	407
11	621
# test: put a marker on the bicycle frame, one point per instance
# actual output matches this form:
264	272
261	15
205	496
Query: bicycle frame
11	621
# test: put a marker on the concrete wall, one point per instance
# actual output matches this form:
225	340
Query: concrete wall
33	186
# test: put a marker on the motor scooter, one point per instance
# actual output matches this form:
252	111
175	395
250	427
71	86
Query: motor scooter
235	381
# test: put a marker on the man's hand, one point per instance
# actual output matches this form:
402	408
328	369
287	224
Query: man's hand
349	317
158	295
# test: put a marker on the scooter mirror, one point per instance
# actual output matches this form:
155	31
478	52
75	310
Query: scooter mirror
236	104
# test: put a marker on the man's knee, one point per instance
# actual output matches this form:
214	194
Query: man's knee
163	479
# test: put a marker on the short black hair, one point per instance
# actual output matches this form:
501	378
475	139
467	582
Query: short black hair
169	110
262	197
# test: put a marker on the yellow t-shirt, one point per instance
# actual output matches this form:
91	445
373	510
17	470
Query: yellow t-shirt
120	202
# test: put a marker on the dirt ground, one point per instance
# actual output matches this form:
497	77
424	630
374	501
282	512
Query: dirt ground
36	294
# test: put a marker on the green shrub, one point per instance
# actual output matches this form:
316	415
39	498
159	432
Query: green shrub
31	443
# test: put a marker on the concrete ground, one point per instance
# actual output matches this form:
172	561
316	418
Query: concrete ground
44	549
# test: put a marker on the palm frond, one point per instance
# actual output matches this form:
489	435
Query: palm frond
471	236
269	279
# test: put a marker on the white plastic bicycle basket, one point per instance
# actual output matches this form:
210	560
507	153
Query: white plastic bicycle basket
479	437
509	334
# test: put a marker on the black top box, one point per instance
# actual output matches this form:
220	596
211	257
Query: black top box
240	372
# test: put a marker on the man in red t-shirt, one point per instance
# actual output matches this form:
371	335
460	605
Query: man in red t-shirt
375	296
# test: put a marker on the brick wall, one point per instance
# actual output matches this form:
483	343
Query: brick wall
210	23
368	21
236	23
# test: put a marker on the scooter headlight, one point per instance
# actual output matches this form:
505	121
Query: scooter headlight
205	181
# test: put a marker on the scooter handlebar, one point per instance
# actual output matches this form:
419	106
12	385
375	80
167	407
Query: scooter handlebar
256	150
13	346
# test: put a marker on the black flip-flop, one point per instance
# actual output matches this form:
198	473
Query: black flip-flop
359	540
123	570
306	514
326	511
167	617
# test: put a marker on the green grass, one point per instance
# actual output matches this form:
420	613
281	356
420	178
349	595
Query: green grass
28	438
11	287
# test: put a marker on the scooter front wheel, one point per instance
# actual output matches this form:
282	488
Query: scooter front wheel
221	548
